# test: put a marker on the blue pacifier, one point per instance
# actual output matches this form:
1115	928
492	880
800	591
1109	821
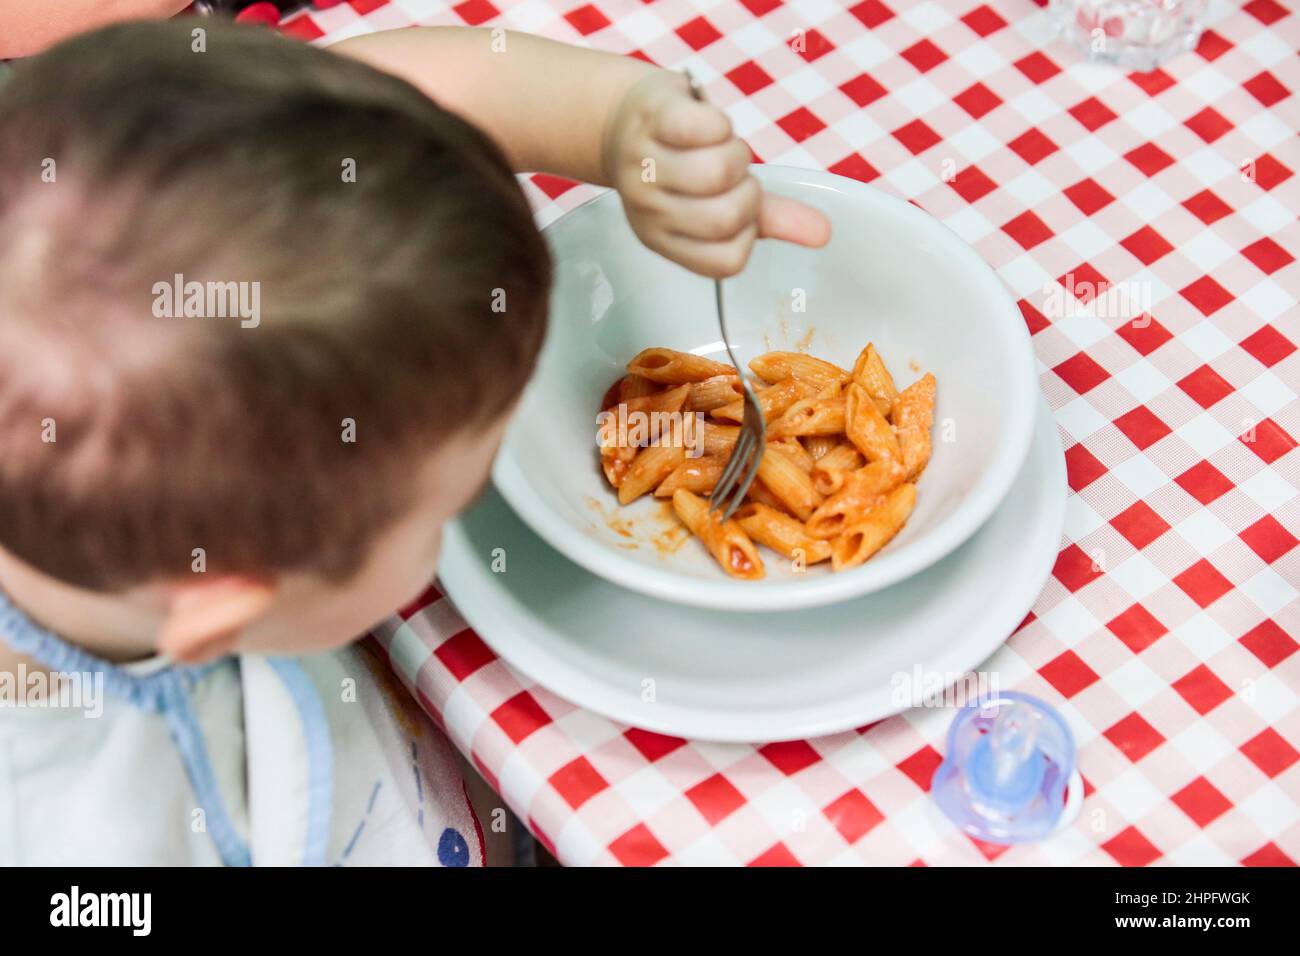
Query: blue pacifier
1010	759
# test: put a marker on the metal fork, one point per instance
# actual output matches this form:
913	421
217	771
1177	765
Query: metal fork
747	454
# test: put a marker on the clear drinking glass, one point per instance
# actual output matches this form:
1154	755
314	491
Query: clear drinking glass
1133	34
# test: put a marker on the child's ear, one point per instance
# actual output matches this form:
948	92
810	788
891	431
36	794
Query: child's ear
204	620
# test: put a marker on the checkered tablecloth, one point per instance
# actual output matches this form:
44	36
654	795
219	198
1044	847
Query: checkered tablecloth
1167	634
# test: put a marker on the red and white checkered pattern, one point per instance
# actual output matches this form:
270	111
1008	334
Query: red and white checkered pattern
1168	632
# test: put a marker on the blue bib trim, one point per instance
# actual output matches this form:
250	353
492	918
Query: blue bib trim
165	693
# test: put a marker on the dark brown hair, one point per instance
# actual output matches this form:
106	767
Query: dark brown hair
411	301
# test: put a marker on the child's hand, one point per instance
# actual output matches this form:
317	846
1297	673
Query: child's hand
685	182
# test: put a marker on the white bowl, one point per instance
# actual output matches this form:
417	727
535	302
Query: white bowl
891	274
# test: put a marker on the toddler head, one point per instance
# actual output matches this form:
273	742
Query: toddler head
263	312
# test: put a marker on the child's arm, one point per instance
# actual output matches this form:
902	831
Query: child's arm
599	117
29	26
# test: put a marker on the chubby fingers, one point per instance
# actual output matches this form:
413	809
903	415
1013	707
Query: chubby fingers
716	259
698	155
699	205
780	217
702	171
713	218
715	236
681	122
712	235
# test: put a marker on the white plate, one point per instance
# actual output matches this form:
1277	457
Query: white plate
891	274
734	676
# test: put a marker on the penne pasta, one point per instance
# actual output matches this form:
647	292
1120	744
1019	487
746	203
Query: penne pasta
775	366
725	540
819	445
837	478
782	533
773	400
614	462
830	470
720	439
861	491
697	475
650	466
913	417
870	372
863	539
669	400
760	494
811	416
867	428
635	386
715	392
617	451
672	367
788	482
795	450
